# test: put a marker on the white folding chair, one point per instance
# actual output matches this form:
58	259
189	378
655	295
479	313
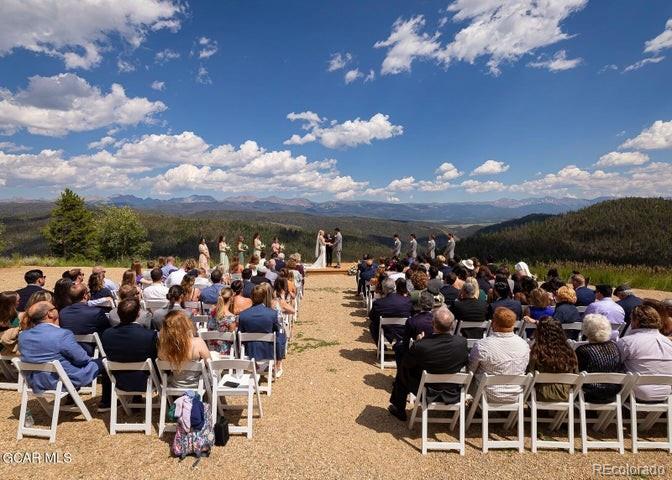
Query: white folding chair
268	365
563	409
654	410
574	327
515	409
229	337
52	409
524	328
576	343
193	306
153	305
98	352
207	307
169	394
152	386
241	380
484	326
383	343
581	309
619	327
607	410
460	379
9	373
200	322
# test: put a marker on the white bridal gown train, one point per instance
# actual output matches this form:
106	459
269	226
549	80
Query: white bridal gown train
320	253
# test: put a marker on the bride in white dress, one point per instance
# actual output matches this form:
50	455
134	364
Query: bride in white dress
320	252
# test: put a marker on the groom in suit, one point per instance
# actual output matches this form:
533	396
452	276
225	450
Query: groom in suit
338	246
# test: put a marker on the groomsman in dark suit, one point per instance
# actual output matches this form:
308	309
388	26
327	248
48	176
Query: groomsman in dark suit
441	353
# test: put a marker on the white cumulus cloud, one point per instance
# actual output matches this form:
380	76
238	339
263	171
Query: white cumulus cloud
476	186
662	41
156	85
341	135
642	63
352	75
206	47
338	61
557	62
656	137
490	167
166	55
617	159
79	31
67	103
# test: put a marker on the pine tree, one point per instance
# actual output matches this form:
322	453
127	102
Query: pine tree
71	230
121	234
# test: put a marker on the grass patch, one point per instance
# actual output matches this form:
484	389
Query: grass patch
650	278
301	343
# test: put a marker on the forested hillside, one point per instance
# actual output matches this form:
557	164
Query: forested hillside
630	231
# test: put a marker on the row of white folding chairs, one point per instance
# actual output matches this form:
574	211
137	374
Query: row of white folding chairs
226	378
564	410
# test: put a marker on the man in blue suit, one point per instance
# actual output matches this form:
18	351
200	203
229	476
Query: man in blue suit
34	283
82	319
584	295
46	341
261	319
130	342
247	283
627	300
392	305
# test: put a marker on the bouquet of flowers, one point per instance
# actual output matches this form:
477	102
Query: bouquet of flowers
262	246
227	248
244	247
282	247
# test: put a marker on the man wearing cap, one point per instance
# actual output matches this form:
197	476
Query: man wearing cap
627	300
468	264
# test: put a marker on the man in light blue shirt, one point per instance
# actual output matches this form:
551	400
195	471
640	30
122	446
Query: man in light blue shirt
211	294
169	267
604	305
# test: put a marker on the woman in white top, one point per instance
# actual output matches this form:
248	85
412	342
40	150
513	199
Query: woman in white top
257	245
203	255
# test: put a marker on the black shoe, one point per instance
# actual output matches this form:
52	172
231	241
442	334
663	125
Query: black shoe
400	414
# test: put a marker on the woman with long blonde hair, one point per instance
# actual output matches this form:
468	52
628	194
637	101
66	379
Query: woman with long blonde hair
177	345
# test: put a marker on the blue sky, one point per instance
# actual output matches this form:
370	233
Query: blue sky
393	100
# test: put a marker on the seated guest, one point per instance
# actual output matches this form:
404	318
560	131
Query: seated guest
448	290
435	283
485	279
604	305
10	337
128	292
168	268
211	294
282	301
584	295
128	278
468	308
540	304
501	353
109	284
627	300
82	319
280	262
189	291
664	309
367	270
97	288
177	344
392	305
504	273
62	293
599	355
419	280
565	311
284	273
222	319
551	353
439	354
175	303
74	274
260	277
202	281
645	350
45	341
157	290
261	318
34	282
443	267
504	299
129	341
175	278
420	323
271	274
9	316
248	286
240	303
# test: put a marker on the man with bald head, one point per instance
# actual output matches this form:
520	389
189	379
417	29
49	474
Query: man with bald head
441	353
45	341
81	318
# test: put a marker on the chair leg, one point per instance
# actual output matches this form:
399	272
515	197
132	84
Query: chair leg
113	412
633	423
250	413
54	415
462	425
570	424
162	413
619	425
533	425
424	429
484	424
22	412
148	409
584	429
521	425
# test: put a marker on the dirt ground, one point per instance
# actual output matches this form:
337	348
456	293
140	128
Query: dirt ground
327	418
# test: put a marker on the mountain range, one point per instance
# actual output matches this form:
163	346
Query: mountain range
457	212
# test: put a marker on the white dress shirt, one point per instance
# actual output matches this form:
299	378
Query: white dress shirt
500	354
647	351
155	291
175	278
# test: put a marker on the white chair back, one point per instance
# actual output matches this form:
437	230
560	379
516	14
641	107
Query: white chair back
229	337
654	412
269	364
98	352
169	393
382	342
153	305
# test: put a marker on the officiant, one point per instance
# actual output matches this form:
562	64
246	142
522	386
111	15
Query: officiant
330	248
